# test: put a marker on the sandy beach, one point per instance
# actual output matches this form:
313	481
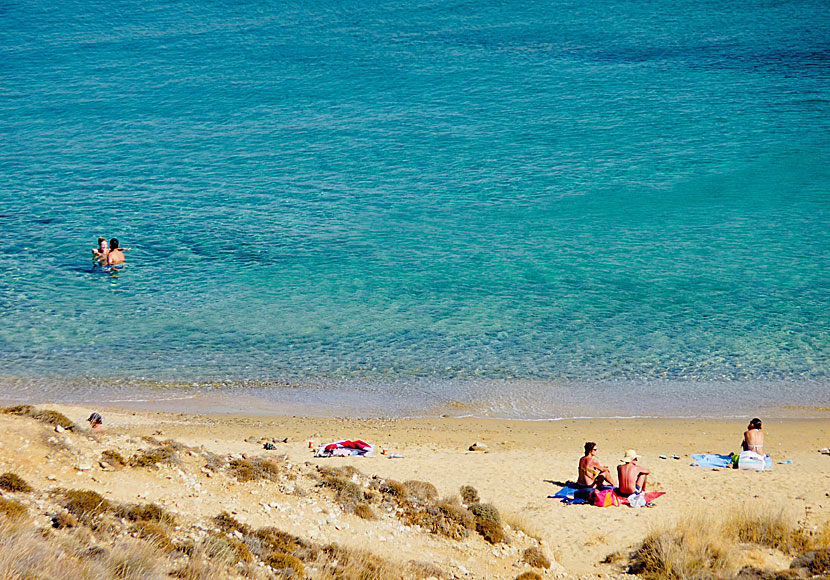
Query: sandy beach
518	467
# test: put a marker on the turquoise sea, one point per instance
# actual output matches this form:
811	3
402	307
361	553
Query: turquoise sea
518	209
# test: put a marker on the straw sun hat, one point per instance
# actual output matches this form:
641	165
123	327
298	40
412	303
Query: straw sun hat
630	456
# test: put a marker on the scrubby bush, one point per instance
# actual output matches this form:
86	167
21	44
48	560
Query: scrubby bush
393	488
254	469
421	490
363	511
154	534
349	494
490	531
227	523
529	576
282	561
535	557
149	512
444	518
485	511
153	457
112	457
469	494
13	482
770	528
11	509
44	416
85	504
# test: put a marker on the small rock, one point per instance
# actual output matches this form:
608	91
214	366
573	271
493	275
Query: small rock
478	446
84	466
59	429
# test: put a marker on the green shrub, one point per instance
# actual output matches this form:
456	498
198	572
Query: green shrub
13	482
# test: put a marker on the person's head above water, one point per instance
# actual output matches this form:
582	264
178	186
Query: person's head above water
114	244
95	419
102	243
589	446
755	423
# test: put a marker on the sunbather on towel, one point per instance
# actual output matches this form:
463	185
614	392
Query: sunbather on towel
632	476
591	473
754	437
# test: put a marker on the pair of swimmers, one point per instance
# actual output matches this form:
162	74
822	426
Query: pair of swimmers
632	476
109	253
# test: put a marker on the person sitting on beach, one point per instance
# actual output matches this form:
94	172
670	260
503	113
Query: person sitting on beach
632	476
753	437
96	422
591	473
100	253
116	254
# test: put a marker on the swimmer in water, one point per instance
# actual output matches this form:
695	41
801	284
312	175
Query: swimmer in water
116	254
100	253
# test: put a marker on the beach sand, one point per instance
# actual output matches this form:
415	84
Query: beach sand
524	463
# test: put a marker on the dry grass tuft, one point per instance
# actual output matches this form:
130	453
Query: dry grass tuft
63	520
469	494
11	509
12	482
114	458
85	504
423	570
769	528
522	523
254	469
274	540
529	576
225	549
153	533
614	558
44	416
536	558
421	490
337	563
347	471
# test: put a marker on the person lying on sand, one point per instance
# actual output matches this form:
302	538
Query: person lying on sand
632	476
591	473
753	437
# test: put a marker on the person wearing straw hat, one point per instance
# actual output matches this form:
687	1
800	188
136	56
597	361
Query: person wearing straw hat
632	476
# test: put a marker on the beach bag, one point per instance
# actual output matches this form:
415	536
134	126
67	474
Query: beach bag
637	500
751	460
604	498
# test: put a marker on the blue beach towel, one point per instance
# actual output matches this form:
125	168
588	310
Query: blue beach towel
568	493
710	460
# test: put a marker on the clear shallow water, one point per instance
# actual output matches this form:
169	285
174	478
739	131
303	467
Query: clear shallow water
406	204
